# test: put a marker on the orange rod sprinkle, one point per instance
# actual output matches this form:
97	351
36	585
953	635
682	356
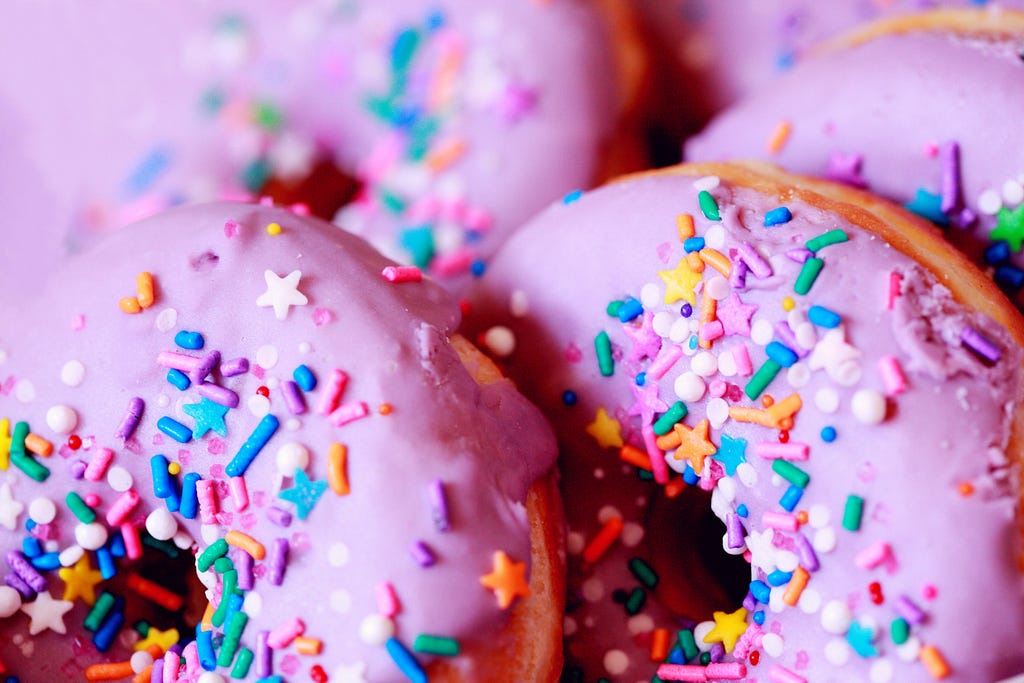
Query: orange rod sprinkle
933	660
144	289
796	586
675	487
635	456
599	545
716	260
155	593
779	136
753	415
110	671
144	676
693	260
684	223
207	621
38	445
659	644
708	313
667	442
445	154
337	476
787	407
129	304
246	543
308	646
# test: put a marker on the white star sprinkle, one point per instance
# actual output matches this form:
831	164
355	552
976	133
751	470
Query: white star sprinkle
10	508
46	613
282	293
350	674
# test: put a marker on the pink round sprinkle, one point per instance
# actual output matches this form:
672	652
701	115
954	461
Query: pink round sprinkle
929	591
92	500
931	150
717	388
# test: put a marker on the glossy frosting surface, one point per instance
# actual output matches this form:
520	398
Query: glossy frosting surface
76	353
938	502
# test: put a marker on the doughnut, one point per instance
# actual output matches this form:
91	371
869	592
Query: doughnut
457	118
262	402
960	168
819	369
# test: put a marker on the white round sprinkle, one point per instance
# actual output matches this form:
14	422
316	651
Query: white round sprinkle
798	375
909	650
207	677
73	373
726	488
267	356
837	652
700	631
773	644
818	516
519	304
717	412
290	457
61	419
718	288
824	540
71	555
732	551
707	183
810	601
575	542
42	511
142	659
869	406
704	363
662	323
25	391
258	405
827	400
836	617
10	601
616	662
806	335
338	555
727	364
592	589
119	479
747	474
606	513
714	237
761	332
632	534
679	331
253	604
651	296
641	623
569	626
786	561
341	601
183	539
167	320
161	524
846	373
689	387
990	202
1013	193
376	629
91	536
500	341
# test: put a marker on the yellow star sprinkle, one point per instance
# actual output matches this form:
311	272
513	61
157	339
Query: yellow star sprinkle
728	628
680	283
508	580
162	639
80	581
606	430
692	444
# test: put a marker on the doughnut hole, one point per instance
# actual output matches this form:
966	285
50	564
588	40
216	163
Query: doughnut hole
697	577
324	189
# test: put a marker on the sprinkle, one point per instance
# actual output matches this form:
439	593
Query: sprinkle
603	346
422	554
823	317
780	134
177	361
874	555
213	552
635	601
98	464
436	645
283	635
348	412
604	539
220	395
163	484
305	378
98	614
402	274
132	415
129	305
250	545
668	420
935	662
949	154
337	473
273	229
204	649
907	609
685	227
853	513
980	344
837	236
109	672
682	672
779	520
655	455
20	565
263	432
761	379
193	341
189	505
282	293
405	661
132	541
716	260
278	561
84	513
796	586
38	445
808	274
572	197
239	493
791	473
331	397
204	366
781	354
155	593
234	367
753	260
708	206
31	467
643	572
780	674
900	631
387	600
293	398
771	450
207	497
174	429
628	310
778	216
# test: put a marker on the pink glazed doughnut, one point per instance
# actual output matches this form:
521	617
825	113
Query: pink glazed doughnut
264	399
839	386
459	118
856	113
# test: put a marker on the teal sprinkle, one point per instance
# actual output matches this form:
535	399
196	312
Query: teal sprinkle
664	424
708	206
827	239
404	49
255	175
419	242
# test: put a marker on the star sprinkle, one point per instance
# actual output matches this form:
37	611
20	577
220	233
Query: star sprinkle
731	453
646	402
762	550
304	494
646	342
928	205
1010	227
728	628
846	168
692	444
832	352
508	580
10	508
80	581
680	283
161	639
859	637
735	315
209	415
606	430
46	613
282	293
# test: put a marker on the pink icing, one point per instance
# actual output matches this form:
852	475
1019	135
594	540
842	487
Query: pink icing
112	113
948	553
485	443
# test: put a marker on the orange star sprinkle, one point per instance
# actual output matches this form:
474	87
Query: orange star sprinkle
692	444
508	580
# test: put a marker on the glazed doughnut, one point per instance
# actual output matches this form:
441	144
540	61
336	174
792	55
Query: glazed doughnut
960	166
845	385
459	118
363	499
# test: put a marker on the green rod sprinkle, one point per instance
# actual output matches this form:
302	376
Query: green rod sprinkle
99	611
762	378
808	274
85	514
688	644
242	664
664	424
605	362
643	572
216	550
30	466
635	601
18	438
853	513
708	206
791	473
831	237
436	645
